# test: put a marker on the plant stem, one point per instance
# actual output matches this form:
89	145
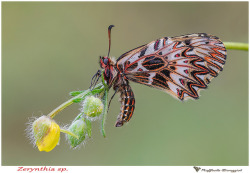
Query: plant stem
69	133
105	110
70	101
78	117
237	46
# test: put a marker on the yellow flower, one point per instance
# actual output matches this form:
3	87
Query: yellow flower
46	132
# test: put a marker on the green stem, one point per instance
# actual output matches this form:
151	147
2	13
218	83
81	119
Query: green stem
69	133
237	46
79	116
103	82
105	110
71	101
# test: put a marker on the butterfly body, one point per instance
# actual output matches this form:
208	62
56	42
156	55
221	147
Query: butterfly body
180	66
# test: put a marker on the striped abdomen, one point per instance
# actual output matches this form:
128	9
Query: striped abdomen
127	105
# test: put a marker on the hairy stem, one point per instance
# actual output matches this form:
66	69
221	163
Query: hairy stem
97	89
105	111
69	133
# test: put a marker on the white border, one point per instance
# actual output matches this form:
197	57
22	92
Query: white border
125	169
137	169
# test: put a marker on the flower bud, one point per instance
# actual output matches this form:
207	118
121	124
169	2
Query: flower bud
92	106
80	128
46	133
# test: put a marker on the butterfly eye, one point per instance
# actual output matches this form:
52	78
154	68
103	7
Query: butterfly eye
105	61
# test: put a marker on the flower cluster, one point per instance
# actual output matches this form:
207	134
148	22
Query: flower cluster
46	132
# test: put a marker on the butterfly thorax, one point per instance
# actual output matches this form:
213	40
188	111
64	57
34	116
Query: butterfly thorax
110	73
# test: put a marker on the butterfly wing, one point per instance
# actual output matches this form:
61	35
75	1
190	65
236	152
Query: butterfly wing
180	65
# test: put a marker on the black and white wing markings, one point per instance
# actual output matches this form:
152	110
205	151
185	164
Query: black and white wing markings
180	66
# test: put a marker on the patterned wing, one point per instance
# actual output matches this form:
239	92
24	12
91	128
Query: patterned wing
180	65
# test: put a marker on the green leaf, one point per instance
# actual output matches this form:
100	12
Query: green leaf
77	100
75	93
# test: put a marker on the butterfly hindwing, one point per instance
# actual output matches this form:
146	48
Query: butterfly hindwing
180	65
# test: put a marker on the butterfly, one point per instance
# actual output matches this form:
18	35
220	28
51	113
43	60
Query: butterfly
180	66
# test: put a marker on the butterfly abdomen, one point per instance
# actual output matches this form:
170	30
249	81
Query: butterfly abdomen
127	105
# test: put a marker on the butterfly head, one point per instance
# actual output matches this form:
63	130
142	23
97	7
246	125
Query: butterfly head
104	62
108	69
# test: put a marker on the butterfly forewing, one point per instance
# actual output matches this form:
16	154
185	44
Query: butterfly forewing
180	66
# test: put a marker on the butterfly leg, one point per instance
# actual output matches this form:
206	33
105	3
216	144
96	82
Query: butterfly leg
112	97
95	79
127	107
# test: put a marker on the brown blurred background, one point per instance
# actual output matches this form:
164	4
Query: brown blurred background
52	48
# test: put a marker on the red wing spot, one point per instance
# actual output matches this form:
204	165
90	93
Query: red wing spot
186	71
177	55
156	45
186	61
178	91
140	69
182	81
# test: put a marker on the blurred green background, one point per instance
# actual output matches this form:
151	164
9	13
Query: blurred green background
52	48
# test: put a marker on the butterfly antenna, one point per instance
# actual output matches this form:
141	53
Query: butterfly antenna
109	34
